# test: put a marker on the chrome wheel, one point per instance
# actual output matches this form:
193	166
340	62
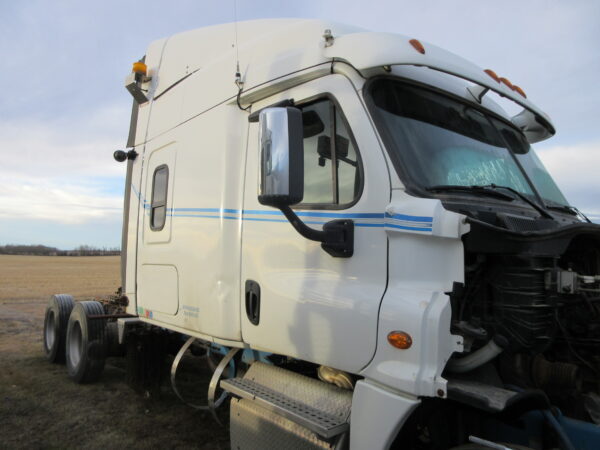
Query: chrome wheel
50	330
75	344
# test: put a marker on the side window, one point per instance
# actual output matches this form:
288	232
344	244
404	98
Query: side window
158	204
331	168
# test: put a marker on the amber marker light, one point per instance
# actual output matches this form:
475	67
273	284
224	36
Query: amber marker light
140	67
519	90
493	75
399	339
507	83
417	46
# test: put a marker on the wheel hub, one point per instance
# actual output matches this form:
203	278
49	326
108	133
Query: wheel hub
50	330
75	344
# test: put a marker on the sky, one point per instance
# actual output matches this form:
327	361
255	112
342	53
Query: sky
64	108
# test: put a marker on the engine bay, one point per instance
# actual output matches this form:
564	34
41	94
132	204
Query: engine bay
529	311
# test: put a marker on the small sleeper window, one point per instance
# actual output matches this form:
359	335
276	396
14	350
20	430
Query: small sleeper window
158	205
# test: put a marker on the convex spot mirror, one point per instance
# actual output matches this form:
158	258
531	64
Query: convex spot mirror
281	171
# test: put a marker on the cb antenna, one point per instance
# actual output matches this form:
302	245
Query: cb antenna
238	76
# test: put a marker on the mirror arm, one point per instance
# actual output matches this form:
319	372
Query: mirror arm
301	227
337	236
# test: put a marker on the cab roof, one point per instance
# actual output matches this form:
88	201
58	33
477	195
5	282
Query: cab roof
273	48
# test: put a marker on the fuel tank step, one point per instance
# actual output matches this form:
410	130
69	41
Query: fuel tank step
289	405
323	424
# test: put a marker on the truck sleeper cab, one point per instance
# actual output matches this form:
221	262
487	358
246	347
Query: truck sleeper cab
356	227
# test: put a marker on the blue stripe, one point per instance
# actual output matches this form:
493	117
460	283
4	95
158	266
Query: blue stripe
317	214
410	218
256	219
259	219
215	210
400	227
421	223
330	215
204	217
371	225
408	223
279	213
310	222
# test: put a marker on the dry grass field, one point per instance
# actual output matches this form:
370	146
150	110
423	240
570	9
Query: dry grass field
41	408
37	277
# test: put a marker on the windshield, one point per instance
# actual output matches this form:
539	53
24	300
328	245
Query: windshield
438	141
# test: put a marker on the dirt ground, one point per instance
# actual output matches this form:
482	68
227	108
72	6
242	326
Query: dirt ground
40	407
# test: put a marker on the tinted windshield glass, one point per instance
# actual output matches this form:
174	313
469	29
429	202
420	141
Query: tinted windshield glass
532	165
441	141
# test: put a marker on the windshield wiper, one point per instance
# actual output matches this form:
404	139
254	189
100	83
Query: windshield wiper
471	189
563	208
523	197
569	210
490	189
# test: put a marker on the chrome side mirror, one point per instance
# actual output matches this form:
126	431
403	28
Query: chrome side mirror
281	171
281	178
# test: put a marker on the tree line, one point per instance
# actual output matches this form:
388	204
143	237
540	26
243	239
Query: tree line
43	250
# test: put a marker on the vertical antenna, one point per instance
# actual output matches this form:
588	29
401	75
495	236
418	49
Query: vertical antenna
238	76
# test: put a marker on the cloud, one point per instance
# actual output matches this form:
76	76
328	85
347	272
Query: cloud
63	148
53	200
62	171
575	169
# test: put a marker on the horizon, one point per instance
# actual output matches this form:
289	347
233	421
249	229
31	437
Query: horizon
82	247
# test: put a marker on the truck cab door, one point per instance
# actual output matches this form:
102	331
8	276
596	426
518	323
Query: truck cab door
298	300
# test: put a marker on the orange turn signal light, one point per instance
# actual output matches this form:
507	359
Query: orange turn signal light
399	339
140	67
519	90
492	74
507	83
417	46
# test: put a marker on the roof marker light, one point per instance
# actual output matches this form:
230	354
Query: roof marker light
399	339
492	74
417	46
519	90
507	83
140	67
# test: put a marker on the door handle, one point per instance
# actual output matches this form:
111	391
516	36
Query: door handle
253	301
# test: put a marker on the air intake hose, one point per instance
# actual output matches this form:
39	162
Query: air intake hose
478	358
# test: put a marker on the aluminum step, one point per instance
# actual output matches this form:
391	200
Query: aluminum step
320	422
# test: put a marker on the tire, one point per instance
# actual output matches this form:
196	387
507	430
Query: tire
86	342
55	326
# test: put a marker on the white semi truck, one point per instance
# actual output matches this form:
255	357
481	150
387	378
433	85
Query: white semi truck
358	236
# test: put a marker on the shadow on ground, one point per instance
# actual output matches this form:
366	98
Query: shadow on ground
40	407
